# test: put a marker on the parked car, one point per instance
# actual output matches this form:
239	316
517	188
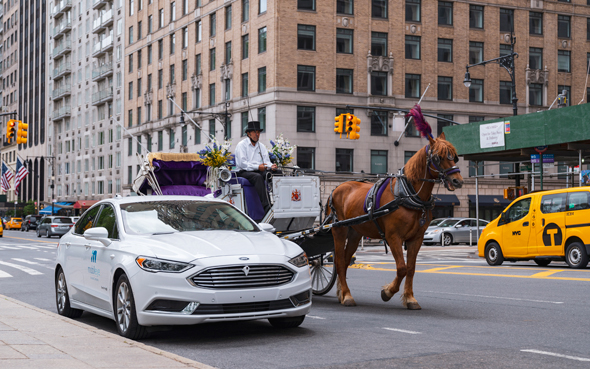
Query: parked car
453	230
14	223
30	222
54	226
75	219
171	260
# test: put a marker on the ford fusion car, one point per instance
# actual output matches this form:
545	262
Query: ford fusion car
173	260
453	230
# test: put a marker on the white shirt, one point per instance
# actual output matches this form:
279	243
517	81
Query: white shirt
249	157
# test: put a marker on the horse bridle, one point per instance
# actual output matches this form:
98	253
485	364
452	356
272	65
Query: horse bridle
435	160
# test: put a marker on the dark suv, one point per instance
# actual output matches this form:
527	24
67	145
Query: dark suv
30	222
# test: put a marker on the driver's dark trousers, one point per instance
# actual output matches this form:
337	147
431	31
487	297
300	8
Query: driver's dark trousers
256	178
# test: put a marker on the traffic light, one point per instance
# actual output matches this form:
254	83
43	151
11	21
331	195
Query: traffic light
348	124
355	127
10	130
22	132
339	124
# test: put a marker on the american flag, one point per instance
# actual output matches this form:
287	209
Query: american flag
21	173
7	175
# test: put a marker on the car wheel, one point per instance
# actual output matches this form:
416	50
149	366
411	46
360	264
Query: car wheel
290	322
125	314
494	254
542	262
38	234
447	239
62	298
576	256
47	234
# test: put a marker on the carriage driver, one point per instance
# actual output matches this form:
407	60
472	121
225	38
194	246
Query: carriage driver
252	161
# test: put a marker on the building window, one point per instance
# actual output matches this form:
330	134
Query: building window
199	27
379	123
129	147
445	13
160	109
344	40
172	43
476	90
445	50
445	88
161	49
160	140
408	155
379	83
197	136
344	81
184	101
476	16
131	34
212	59
245	10
411	130
129	119
228	17
161	18
262	118
212	24
184	134
150	23
412	47
245	46
305	119
480	169
506	20
244	84
476	118
305	4
305	37
378	44
535	23
563	61
344	7
227	83
568	93
505	50
130	63
261	6
413	85
212	94
505	92
305	78
441	123
261	79
379	9
413	10
244	117
184	69
130	91
563	26
262	40
172	11
306	157
379	161
185	37
535	58
171	138
344	160
228	52
475	52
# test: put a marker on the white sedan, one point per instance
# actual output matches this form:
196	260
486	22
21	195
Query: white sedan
170	260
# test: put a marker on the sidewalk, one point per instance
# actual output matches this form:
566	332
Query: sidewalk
34	338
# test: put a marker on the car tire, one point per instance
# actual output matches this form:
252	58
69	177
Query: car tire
125	313
285	323
576	256
494	254
38	234
47	234
62	298
542	262
446	239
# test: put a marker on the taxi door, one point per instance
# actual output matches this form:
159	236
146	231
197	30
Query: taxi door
517	226
577	215
550	225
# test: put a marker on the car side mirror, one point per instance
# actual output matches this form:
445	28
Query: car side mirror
99	234
266	227
459	226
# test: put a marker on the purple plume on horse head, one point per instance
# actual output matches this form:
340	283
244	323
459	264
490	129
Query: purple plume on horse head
421	123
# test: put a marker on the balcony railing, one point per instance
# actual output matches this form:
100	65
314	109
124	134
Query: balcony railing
62	69
103	70
102	96
62	28
62	48
62	6
98	3
62	91
102	46
103	21
62	112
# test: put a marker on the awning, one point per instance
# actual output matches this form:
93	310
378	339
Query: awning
47	210
446	200
490	200
84	204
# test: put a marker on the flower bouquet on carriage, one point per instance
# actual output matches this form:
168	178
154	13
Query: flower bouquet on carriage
217	158
281	153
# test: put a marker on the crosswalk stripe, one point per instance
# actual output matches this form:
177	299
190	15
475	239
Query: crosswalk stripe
31	262
9	248
4	275
42	259
21	268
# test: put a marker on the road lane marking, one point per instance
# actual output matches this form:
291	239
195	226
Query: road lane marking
496	297
401	330
28	239
31	262
315	317
556	355
546	273
4	275
22	268
443	268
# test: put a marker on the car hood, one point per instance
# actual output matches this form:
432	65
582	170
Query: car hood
188	246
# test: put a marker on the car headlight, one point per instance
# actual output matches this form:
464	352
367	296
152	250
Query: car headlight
300	260
158	265
436	231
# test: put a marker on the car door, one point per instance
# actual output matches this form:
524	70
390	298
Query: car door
77	266
550	225
577	216
461	231
102	258
516	223
45	226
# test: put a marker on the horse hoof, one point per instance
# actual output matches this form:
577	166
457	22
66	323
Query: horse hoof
349	302
413	306
384	296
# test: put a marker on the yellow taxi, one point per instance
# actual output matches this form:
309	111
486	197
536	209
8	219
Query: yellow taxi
541	226
14	223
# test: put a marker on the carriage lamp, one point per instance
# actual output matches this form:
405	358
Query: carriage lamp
467	80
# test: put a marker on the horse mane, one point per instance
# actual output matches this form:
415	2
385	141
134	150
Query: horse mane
421	123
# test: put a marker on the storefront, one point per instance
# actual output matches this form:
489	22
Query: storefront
490	206
81	206
444	206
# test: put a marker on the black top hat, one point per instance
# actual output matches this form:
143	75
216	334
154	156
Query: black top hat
253	126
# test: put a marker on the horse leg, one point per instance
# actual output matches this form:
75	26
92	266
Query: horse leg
340	238
408	299
395	245
352	244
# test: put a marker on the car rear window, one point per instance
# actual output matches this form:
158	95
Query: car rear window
34	219
18	219
62	220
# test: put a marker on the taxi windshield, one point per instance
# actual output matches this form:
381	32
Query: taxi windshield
162	217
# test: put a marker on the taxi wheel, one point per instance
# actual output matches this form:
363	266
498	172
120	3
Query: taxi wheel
494	254
576	256
62	298
125	313
290	322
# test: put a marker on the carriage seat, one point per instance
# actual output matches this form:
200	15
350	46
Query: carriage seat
253	205
185	190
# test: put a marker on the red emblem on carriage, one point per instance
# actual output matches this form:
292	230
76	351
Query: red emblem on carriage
295	195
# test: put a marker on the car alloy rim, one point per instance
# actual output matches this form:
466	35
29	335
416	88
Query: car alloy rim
123	307
61	292
447	239
492	254
575	256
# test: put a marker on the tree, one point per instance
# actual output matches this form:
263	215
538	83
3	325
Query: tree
29	208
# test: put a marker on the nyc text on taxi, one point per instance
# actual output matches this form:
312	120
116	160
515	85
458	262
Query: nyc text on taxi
175	260
542	226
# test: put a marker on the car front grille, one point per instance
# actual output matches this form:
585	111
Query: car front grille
250	307
242	276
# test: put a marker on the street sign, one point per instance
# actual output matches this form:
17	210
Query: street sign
541	149
547	158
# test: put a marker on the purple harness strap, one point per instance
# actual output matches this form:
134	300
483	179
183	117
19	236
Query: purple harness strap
378	196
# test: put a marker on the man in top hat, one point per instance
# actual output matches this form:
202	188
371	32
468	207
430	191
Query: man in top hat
252	161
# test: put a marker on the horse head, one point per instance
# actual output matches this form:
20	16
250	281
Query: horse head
442	159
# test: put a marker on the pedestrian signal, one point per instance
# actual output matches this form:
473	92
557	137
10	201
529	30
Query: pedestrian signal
355	127
22	132
339	124
10	130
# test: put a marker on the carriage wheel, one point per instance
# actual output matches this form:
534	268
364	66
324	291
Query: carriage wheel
323	274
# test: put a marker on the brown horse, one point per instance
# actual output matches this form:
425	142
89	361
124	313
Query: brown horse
435	162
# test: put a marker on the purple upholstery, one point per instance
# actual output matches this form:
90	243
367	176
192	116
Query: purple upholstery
185	190
378	196
253	204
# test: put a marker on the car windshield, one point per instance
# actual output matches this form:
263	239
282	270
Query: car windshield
447	223
17	219
161	217
62	220
436	222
